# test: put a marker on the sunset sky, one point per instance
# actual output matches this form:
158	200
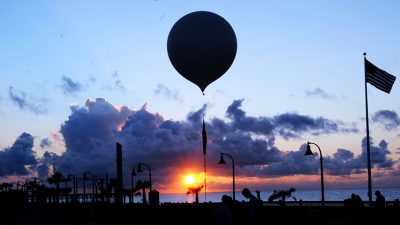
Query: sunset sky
78	76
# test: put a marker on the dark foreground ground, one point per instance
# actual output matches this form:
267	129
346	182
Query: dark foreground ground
203	213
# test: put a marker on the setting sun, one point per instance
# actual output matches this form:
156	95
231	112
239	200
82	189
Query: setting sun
189	179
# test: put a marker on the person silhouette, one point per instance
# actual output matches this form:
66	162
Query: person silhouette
356	201
223	212
254	207
380	200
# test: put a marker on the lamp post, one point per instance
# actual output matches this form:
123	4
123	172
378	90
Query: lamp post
309	152
74	183
222	161
133	173
139	170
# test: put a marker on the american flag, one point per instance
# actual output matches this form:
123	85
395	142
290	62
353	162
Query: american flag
378	78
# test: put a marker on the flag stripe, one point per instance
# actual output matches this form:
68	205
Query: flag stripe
378	78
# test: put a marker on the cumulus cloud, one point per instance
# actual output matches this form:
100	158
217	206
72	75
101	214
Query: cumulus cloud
27	101
96	122
388	118
91	131
378	154
318	92
166	92
16	159
342	162
69	86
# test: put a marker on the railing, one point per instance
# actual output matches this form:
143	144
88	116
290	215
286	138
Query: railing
34	197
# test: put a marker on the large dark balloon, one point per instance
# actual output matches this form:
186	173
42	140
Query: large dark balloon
201	47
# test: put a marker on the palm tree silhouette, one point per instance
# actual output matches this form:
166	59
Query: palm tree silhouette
195	191
142	185
56	179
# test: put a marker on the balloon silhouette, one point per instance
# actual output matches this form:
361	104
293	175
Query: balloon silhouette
201	47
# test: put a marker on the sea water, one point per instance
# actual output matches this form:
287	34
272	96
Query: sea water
337	194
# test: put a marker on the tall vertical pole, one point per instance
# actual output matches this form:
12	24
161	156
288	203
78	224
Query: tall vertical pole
368	141
233	180
204	137
205	177
119	174
322	179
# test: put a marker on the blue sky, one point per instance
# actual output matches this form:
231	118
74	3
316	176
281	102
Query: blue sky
293	58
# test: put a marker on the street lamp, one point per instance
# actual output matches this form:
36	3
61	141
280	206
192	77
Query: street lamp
139	170
133	173
74	183
309	152
222	161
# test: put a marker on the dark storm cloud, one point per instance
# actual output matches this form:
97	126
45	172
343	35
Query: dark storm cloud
389	119
45	143
290	163
69	86
15	159
287	125
95	123
90	134
166	92
379	154
318	92
27	101
342	162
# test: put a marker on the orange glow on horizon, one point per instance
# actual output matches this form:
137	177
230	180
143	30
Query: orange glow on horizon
224	183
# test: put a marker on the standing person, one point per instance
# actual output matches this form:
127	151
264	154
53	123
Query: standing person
380	200
223	213
254	208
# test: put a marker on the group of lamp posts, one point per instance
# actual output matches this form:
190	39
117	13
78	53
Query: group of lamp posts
89	176
74	183
308	152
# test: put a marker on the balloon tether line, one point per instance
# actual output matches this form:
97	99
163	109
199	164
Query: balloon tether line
205	165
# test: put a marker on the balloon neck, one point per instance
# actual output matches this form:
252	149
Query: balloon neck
203	93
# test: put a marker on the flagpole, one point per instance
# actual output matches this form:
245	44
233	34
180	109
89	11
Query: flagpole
205	178
368	141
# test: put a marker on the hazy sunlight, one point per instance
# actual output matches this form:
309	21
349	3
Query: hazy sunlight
189	179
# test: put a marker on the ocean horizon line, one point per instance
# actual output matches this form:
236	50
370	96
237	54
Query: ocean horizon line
331	194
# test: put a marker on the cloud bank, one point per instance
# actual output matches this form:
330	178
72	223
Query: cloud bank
90	134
